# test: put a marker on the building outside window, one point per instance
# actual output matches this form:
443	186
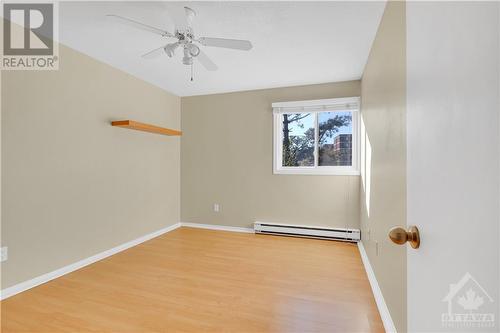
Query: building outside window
316	137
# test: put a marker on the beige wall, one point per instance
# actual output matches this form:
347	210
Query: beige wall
74	186
383	188
227	154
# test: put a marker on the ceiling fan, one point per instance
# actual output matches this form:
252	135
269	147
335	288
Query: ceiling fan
186	39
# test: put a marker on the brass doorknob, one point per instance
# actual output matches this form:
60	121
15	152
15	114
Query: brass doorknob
400	236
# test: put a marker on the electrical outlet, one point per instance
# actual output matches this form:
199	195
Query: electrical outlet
216	208
3	254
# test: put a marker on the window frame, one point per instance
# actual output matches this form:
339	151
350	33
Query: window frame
349	104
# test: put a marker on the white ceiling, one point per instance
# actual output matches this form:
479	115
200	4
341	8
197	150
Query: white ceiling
295	43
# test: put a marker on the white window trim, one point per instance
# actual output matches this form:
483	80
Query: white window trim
315	106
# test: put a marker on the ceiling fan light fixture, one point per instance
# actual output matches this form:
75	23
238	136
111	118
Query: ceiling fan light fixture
187	59
193	49
170	49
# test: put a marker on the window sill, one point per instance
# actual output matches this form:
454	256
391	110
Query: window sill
318	171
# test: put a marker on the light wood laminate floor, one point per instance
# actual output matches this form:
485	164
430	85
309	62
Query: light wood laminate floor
196	280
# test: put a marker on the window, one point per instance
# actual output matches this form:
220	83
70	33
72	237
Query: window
316	137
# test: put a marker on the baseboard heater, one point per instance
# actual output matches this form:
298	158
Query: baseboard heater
340	234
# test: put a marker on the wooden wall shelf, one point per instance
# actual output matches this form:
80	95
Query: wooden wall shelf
135	125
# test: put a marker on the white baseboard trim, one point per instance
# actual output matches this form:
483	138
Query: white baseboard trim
217	227
20	287
377	292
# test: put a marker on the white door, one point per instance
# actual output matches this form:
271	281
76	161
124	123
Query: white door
453	165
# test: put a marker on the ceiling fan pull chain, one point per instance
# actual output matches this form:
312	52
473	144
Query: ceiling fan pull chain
191	72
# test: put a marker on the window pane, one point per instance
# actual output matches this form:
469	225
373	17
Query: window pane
335	138
298	139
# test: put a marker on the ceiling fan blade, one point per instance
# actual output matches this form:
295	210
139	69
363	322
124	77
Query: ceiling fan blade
206	62
182	16
236	44
190	14
140	25
154	53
